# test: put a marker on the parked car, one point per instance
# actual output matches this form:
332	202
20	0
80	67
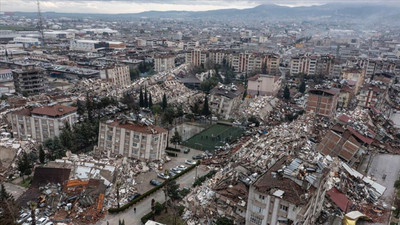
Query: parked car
171	173
42	220
133	197
175	170
155	182
163	176
181	167
197	157
187	150
190	162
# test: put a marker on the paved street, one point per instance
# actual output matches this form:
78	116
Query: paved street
385	164
143	207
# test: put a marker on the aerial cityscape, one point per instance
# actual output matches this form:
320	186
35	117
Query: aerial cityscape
215	112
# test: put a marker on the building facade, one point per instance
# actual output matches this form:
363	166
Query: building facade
118	76
132	140
280	197
41	123
263	84
196	57
323	102
29	80
224	100
164	63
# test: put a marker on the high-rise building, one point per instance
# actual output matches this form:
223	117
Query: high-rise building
196	57
29	80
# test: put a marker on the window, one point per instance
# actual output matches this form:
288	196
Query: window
109	137
255	220
262	197
284	208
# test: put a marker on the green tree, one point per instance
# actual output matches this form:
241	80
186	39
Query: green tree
164	104
286	93
24	165
141	99
224	221
146	101
66	136
168	115
9	209
150	101
129	101
206	110
176	138
171	190
244	94
157	109
89	106
42	155
81	108
209	84
33	206
302	87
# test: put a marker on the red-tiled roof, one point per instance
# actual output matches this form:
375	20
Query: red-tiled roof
339	199
344	118
363	138
55	110
138	127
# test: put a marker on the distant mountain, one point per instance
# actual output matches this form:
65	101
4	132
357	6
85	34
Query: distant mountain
338	12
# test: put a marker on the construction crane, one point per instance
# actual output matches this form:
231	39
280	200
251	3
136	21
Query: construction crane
40	25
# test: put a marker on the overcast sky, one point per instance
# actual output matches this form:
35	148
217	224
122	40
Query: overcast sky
134	6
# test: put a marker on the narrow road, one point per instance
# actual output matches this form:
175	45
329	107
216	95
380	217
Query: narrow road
143	207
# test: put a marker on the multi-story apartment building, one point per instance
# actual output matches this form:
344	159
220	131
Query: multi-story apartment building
225	99
354	74
287	194
118	75
146	142
323	102
306	64
164	62
41	123
263	84
372	95
29	80
241	62
196	57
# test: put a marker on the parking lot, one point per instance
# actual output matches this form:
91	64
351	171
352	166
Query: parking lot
144	179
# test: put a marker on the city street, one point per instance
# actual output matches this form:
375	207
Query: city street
143	207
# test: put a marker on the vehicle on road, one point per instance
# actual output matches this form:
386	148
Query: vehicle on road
190	162
186	151
171	173
155	182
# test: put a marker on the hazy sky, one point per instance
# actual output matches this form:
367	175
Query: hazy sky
133	6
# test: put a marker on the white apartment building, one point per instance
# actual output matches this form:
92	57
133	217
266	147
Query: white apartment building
41	123
263	84
118	76
27	41
164	63
132	140
281	196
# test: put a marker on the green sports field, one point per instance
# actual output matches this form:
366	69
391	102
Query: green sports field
216	135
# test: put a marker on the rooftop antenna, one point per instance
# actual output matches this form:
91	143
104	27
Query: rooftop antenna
40	27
